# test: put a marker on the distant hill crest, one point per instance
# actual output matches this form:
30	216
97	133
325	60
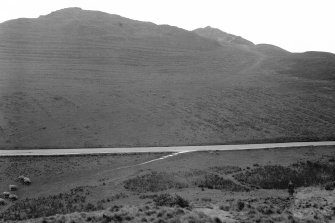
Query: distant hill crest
221	36
73	12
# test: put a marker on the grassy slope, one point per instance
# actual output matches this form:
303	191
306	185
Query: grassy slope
138	84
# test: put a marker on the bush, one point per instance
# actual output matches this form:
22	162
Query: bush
268	177
214	181
89	207
277	177
153	182
63	203
225	169
169	200
181	202
330	185
146	196
240	205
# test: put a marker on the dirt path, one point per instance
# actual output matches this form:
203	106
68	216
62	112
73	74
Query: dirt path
260	59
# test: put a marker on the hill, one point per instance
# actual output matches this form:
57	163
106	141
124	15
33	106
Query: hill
79	78
221	37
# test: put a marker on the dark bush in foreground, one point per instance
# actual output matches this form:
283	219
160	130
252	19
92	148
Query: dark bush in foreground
278	177
330	185
268	177
153	182
169	200
312	173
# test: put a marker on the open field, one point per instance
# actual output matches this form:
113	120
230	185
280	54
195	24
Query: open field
228	185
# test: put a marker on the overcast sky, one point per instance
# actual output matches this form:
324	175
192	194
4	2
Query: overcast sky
295	25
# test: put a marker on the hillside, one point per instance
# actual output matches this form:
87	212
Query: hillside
222	37
78	78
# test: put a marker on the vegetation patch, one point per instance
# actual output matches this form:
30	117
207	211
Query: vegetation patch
330	185
63	203
148	196
214	181
277	177
170	201
143	213
112	198
268	177
153	182
225	169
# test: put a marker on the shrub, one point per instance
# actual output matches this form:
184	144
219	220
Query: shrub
63	203
181	202
268	177
214	181
164	200
169	200
277	177
206	199
89	207
240	205
224	207
225	169
312	173
330	185
146	196
153	182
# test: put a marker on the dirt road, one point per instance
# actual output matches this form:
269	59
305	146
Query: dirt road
54	152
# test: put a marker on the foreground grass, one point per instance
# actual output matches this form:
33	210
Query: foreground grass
252	190
175	209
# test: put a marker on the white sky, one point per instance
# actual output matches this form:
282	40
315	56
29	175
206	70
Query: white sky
295	25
